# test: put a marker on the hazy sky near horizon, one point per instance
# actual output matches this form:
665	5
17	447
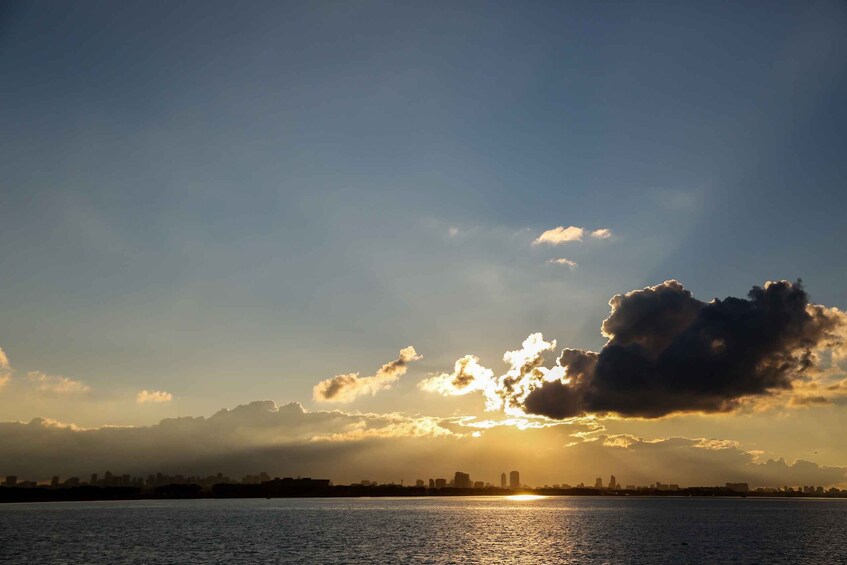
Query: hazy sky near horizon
218	203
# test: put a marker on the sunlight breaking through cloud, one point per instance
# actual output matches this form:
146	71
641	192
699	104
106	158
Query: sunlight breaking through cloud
668	352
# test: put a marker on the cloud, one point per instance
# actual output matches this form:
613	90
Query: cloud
287	440
56	385
700	461
453	231
572	265
5	369
508	391
153	396
347	387
257	436
561	234
668	352
467	376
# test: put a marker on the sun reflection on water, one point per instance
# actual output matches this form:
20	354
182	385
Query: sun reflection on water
524	497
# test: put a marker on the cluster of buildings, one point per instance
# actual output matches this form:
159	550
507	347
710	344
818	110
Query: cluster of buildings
149	483
460	480
463	481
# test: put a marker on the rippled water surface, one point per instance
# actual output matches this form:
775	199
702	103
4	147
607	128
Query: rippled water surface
428	530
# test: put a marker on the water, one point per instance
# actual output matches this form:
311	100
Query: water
427	530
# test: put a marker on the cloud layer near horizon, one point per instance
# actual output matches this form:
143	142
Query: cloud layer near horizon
668	352
289	440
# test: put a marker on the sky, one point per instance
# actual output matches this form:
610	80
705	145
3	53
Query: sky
272	229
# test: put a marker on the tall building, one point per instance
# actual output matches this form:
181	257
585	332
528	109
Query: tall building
440	483
598	483
741	487
462	480
11	480
514	479
419	483
613	483
502	480
432	483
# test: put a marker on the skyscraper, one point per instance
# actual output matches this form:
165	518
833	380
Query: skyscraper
613	483
502	480
514	479
462	480
598	483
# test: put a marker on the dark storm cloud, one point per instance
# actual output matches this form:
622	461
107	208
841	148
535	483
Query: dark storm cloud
669	352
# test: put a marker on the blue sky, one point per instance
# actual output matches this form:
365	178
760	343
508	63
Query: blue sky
231	202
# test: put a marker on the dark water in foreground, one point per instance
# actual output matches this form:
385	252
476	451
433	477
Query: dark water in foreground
428	530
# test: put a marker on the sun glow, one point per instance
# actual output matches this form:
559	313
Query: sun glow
524	497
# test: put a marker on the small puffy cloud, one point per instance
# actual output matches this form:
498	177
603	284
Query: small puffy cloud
349	386
572	265
4	361
55	384
4	380
453	231
561	234
153	396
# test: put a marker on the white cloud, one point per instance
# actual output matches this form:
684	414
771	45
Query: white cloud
572	265
153	396
4	361
561	234
56	384
509	391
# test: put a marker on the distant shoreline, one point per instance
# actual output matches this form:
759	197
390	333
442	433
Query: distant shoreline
231	491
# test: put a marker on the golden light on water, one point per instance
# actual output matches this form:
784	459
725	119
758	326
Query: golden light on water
525	497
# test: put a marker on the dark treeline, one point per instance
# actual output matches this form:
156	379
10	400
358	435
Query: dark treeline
293	488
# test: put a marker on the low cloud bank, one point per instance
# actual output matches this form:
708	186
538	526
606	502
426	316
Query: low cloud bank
288	440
